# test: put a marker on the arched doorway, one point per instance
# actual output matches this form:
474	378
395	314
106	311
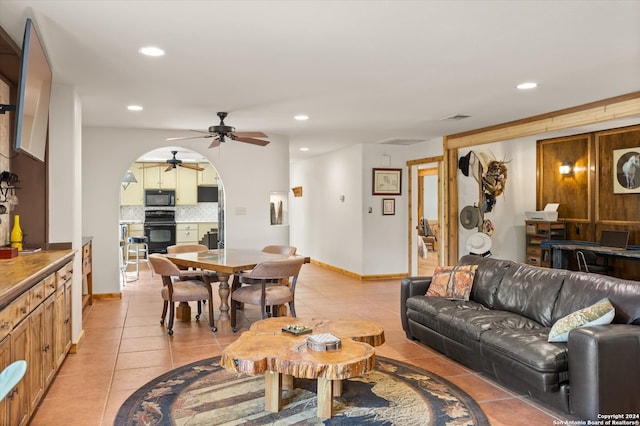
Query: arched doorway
174	202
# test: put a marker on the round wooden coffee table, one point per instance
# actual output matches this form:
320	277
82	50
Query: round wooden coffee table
281	356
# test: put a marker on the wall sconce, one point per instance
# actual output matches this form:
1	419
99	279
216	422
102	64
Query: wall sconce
566	168
128	178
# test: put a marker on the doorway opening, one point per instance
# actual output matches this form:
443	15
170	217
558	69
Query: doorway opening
427	244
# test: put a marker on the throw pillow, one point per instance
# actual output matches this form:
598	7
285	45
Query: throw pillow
599	313
452	282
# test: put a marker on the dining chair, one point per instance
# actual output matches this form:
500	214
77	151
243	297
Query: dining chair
175	289
187	273
269	291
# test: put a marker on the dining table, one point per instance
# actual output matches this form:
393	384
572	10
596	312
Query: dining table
225	262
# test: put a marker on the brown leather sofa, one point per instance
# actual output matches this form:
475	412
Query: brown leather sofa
502	332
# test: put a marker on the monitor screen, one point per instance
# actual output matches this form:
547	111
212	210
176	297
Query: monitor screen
34	91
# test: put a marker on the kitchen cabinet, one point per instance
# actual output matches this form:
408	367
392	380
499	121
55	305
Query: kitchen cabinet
155	177
187	186
31	324
87	275
187	233
136	230
208	176
538	232
133	195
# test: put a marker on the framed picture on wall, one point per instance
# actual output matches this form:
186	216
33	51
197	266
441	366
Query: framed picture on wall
388	206
626	171
387	181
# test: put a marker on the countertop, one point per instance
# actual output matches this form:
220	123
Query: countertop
21	273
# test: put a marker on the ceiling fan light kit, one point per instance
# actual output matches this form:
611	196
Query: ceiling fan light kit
222	131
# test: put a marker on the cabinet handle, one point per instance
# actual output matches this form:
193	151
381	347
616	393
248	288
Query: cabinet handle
66	321
23	310
38	296
5	325
46	348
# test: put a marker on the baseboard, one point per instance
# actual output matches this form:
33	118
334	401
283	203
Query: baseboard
103	296
358	276
75	347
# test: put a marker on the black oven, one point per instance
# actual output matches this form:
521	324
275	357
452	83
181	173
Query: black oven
160	229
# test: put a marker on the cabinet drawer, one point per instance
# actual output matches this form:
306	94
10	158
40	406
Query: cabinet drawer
36	295
63	274
533	260
6	320
21	307
49	285
190	236
534	251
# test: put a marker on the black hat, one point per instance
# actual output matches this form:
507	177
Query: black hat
463	163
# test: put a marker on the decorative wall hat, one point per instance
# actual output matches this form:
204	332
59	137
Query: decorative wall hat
478	243
470	217
463	163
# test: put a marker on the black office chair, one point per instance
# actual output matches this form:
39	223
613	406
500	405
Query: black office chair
588	262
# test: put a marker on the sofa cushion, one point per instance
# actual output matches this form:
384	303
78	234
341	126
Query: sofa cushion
530	291
452	282
528	346
487	277
599	313
472	320
582	289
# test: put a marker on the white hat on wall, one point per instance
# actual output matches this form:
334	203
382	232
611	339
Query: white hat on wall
479	243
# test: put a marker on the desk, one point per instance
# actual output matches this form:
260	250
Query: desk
562	251
224	262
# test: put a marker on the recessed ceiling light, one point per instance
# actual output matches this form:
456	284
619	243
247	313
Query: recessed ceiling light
527	85
304	149
151	51
301	117
134	108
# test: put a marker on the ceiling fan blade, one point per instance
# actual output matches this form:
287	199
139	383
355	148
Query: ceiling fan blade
169	167
250	135
149	165
216	142
191	166
208	135
252	141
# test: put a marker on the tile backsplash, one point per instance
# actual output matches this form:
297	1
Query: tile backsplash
201	212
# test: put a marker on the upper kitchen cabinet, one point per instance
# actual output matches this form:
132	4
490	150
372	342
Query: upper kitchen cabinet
187	188
155	177
208	176
133	195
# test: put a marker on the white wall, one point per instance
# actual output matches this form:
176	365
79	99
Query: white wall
249	174
508	240
65	199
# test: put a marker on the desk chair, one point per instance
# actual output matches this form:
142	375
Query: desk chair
588	262
269	291
176	290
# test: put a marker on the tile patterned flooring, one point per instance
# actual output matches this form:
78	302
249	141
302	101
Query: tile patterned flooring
125	346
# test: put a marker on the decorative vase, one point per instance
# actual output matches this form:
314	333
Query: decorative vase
16	233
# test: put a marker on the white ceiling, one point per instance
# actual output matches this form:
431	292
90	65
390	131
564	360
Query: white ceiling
365	72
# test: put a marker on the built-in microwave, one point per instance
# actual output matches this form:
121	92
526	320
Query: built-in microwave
159	198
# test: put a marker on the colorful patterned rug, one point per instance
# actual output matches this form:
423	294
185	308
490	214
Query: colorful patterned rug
395	393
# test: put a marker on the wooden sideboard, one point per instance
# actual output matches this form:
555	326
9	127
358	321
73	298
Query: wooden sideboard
35	325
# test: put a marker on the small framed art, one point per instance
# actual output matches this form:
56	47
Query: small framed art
387	181
388	206
626	171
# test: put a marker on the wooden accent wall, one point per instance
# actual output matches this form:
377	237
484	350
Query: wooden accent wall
587	201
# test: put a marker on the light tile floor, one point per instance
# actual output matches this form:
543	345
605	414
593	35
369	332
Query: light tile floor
125	346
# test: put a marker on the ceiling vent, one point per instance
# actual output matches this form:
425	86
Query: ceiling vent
456	117
399	141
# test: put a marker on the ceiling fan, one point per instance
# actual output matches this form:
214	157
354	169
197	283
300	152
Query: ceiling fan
174	162
222	131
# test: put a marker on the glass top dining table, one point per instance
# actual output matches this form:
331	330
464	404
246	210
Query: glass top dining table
224	262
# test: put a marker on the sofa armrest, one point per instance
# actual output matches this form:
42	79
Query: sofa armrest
604	372
411	286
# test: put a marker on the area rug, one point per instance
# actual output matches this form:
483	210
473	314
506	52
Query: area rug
395	393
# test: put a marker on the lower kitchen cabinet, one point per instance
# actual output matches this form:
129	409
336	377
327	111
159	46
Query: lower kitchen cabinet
35	327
